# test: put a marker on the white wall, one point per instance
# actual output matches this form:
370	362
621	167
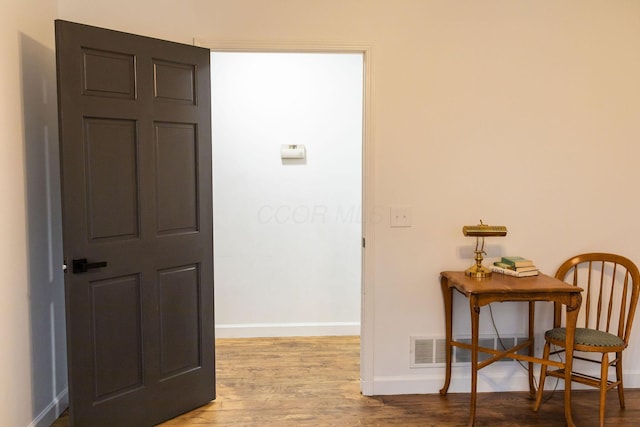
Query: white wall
32	361
469	97
287	232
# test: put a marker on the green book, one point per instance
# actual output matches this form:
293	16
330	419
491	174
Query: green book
503	265
516	261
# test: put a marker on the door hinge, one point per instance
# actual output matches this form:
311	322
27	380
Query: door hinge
363	243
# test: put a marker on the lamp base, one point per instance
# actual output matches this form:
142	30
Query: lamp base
477	271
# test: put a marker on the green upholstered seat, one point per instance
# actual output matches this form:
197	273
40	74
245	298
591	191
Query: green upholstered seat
590	337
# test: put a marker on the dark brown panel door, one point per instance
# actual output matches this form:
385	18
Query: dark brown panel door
135	138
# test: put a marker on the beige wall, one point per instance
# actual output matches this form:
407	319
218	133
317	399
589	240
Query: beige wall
32	362
520	113
14	328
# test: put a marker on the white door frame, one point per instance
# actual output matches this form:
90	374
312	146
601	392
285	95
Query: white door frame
367	288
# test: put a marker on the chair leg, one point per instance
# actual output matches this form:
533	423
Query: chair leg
619	378
543	375
604	372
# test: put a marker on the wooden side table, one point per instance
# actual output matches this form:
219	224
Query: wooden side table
500	288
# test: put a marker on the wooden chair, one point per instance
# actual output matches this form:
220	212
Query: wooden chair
611	286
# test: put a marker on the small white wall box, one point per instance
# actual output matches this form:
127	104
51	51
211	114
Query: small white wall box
295	151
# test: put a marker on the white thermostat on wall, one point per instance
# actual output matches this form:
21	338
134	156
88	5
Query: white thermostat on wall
292	151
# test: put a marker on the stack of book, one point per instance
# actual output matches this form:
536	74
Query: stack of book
515	266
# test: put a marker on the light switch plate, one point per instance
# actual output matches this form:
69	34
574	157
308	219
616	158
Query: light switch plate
400	216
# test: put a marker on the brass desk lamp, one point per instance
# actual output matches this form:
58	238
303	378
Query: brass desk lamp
481	231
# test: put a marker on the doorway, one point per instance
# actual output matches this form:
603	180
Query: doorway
288	255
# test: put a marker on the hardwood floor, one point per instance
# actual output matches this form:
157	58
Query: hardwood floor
314	382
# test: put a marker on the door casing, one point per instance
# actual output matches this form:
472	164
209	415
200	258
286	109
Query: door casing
368	205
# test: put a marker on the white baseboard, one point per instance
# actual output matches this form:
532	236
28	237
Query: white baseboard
499	379
256	330
52	411
431	380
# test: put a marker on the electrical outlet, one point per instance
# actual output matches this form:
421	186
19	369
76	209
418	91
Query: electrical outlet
400	216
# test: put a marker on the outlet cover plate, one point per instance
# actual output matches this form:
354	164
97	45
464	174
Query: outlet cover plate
400	216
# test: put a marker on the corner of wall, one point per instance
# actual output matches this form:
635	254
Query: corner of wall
51	413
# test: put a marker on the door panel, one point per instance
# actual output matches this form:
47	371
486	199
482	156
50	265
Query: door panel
111	167
179	314
135	138
174	82
108	74
176	147
117	336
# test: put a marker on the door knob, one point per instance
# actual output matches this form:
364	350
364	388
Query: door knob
82	266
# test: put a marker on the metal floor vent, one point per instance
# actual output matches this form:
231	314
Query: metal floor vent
430	351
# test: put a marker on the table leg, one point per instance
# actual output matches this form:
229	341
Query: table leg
572	317
447	294
475	321
532	310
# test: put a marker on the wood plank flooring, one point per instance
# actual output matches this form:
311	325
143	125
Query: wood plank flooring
314	381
